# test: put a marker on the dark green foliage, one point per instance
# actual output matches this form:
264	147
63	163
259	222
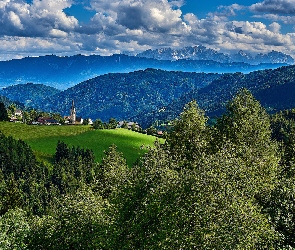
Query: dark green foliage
16	157
22	178
225	186
98	124
3	112
28	93
112	123
151	130
85	121
73	167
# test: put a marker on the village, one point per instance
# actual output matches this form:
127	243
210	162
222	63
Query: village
34	117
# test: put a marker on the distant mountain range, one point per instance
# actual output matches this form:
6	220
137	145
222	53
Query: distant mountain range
202	53
65	72
149	95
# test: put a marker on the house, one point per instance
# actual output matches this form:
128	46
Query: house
17	116
129	125
79	120
47	121
18	112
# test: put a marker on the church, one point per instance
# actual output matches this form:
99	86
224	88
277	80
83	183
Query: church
73	118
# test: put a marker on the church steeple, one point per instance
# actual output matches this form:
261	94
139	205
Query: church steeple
73	112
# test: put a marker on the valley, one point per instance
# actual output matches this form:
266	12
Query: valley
220	177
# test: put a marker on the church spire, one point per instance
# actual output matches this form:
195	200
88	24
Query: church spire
73	112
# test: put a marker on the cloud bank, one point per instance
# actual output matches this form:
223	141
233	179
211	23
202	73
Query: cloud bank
43	27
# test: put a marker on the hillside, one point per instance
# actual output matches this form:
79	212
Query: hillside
124	96
27	93
149	95
65	72
43	139
275	89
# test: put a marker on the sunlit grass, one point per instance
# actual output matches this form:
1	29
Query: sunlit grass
43	139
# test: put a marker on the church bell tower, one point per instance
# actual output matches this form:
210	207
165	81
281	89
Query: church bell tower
73	113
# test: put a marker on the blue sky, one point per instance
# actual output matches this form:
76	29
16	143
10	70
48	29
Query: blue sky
105	27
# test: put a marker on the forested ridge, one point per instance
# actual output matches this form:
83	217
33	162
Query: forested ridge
228	185
156	96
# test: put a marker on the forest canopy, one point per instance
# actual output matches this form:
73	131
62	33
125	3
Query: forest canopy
229	185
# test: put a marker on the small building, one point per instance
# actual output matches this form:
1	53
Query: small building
47	121
128	125
17	116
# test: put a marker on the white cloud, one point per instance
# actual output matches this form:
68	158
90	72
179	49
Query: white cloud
37	19
42	27
151	15
275	6
15	20
57	33
275	27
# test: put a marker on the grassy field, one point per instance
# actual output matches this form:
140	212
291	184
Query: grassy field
43	139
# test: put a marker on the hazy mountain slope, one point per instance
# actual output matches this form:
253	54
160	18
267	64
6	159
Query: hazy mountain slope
149	95
65	72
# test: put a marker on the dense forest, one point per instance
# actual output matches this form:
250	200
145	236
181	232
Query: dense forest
227	185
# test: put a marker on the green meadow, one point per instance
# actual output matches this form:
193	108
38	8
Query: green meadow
43	139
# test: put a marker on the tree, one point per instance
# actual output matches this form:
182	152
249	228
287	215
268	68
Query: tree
80	221
3	112
151	130
113	123
190	136
162	206
111	172
85	121
11	110
14	229
98	124
245	131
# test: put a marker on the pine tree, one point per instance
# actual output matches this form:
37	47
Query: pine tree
3	112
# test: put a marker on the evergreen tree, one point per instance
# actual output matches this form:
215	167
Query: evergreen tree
3	112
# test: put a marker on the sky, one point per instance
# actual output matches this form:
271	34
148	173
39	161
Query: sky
106	27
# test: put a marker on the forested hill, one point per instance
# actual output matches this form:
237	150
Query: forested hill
27	93
149	95
123	96
275	89
65	72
